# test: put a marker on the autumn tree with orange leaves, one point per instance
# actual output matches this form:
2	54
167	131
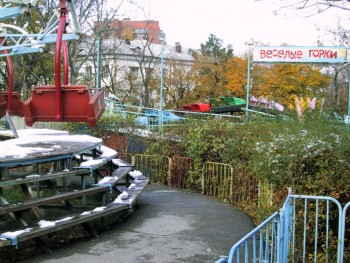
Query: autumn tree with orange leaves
236	75
278	82
284	82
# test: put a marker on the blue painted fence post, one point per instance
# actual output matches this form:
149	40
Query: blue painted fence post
285	228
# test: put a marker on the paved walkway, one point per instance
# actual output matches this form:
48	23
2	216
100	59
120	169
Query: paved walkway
170	225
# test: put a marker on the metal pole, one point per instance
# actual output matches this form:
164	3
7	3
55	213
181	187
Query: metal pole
61	29
98	66
160	119
248	82
348	94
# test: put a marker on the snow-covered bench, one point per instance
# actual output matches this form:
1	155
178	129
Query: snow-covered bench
52	157
124	201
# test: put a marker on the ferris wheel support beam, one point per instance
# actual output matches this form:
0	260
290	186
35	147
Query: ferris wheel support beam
22	7
21	42
11	12
29	43
24	43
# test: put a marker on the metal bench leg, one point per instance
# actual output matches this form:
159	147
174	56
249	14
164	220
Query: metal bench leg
43	245
3	174
92	231
28	196
83	186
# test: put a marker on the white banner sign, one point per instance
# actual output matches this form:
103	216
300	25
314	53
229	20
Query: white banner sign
300	54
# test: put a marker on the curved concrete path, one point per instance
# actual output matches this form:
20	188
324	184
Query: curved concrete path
170	225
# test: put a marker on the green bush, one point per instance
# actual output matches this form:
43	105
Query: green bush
312	156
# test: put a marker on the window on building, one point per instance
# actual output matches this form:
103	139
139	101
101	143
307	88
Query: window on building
133	72
105	71
88	71
149	71
141	33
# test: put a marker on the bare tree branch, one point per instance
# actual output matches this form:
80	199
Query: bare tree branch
308	8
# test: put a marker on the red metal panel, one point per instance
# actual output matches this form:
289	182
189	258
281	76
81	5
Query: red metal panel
204	107
2	106
78	105
16	106
115	141
197	107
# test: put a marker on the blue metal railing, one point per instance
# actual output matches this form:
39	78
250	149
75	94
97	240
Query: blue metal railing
260	245
265	243
306	229
317	241
344	229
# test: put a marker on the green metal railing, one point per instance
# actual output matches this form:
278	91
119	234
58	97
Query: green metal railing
217	180
180	169
155	167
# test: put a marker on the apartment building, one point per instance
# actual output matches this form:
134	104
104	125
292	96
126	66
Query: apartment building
130	55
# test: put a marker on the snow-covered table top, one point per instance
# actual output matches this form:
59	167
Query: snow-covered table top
36	145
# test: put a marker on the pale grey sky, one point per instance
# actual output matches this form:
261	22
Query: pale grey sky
234	21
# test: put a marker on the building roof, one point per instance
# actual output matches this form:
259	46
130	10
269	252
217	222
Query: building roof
119	47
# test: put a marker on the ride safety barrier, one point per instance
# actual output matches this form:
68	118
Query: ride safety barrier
217	180
180	169
246	188
156	168
306	229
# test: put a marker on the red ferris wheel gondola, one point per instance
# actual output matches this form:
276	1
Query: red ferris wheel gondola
64	103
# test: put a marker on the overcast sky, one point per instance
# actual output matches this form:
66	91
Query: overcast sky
236	22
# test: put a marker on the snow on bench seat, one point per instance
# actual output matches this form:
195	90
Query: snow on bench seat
121	163
131	194
118	175
93	163
107	152
137	175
